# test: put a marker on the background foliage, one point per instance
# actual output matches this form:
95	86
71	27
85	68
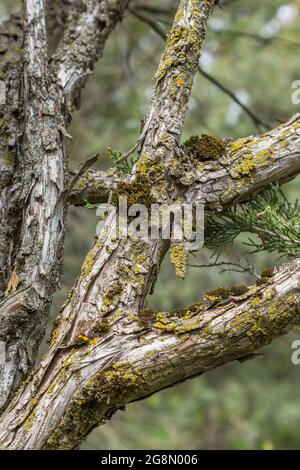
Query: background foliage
252	48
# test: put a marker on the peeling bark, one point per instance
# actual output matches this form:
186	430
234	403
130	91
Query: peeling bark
38	258
86	383
11	38
248	166
106	350
33	208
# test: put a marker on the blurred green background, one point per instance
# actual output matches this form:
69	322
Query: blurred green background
252	47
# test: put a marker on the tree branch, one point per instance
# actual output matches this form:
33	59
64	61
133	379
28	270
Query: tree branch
141	355
174	79
248	166
155	26
33	218
11	40
37	260
110	284
94	186
105	352
89	24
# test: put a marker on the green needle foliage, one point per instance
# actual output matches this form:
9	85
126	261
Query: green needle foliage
124	166
270	216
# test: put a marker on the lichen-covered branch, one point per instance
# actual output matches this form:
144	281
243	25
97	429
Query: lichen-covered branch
132	357
11	39
36	259
89	24
218	173
117	273
94	186
174	79
222	174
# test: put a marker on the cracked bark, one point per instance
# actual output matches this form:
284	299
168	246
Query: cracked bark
249	165
84	385
33	205
106	351
89	25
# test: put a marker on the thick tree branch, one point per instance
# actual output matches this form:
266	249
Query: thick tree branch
245	167
111	284
11	39
33	215
248	165
94	186
174	80
141	355
89	24
38	258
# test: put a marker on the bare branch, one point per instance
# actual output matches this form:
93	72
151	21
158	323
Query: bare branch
256	120
227	266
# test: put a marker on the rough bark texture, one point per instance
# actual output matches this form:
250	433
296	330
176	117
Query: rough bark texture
138	355
246	166
106	350
33	208
11	38
90	23
94	186
37	260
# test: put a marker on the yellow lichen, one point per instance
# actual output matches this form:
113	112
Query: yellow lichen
178	256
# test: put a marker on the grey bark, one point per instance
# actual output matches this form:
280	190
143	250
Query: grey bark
33	203
106	350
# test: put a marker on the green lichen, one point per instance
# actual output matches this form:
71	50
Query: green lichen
149	168
222	293
88	264
114	386
101	327
54	335
28	422
146	317
266	274
51	387
251	161
205	147
112	295
137	192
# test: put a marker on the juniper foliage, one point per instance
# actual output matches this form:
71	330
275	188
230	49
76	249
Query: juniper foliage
272	221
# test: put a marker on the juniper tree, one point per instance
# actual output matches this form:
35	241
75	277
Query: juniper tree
106	349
